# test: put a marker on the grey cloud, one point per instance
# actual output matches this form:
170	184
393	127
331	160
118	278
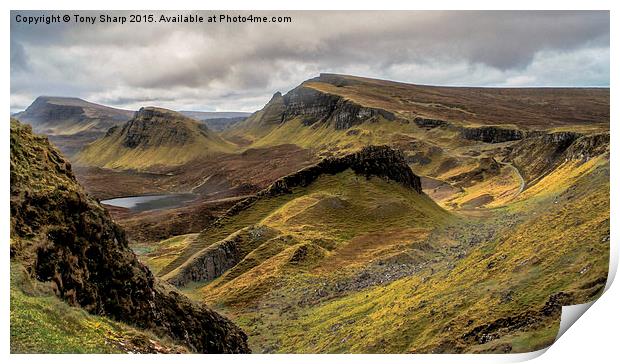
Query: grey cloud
201	65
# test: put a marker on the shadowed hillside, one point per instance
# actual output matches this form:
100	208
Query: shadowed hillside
67	241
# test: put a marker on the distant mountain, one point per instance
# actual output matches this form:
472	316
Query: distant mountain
69	122
216	120
153	137
70	115
320	107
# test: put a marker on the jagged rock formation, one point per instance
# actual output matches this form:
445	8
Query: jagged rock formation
541	152
588	146
380	161
313	106
492	134
153	127
66	238
154	136
429	123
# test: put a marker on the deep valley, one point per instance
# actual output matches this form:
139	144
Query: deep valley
348	215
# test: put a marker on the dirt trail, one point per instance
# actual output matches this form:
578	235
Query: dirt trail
522	186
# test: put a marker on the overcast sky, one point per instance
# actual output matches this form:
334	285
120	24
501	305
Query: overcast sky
237	67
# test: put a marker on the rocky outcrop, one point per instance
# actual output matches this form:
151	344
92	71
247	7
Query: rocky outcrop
491	134
152	127
588	146
541	152
429	123
379	161
219	257
312	106
66	238
151	139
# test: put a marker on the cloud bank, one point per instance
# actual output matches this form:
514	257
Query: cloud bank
237	67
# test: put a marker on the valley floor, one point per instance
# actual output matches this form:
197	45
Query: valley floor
481	280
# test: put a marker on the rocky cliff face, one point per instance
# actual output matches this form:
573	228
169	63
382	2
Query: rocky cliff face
152	127
380	161
492	134
64	237
541	152
429	123
588	146
314	106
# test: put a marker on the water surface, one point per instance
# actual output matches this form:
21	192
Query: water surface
152	202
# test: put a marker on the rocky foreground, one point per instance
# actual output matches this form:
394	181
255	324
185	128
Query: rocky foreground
64	237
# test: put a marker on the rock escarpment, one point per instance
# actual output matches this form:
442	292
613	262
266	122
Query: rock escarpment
64	237
492	134
379	161
541	152
314	106
152	127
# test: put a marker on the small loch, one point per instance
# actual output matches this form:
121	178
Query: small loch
152	202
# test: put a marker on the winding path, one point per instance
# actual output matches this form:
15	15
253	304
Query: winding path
522	186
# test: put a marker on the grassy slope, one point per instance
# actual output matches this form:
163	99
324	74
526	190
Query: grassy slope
157	256
42	323
460	273
310	224
558	247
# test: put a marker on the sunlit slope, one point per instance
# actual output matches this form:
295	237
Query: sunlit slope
333	224
373	161
153	137
472	144
503	296
322	272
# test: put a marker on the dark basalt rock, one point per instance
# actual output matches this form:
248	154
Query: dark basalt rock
152	127
429	123
541	152
313	106
379	161
588	146
492	134
64	237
